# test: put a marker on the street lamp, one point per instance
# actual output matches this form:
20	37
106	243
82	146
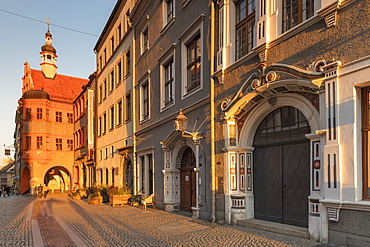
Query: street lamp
181	121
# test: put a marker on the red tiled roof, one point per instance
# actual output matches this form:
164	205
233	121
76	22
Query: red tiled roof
61	88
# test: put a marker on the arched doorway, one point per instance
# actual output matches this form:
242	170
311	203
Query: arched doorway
281	167
58	179
25	180
187	180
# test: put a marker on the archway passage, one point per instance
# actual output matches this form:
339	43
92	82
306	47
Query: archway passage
187	180
58	179
281	168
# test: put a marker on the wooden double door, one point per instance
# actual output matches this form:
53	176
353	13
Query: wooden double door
187	181
281	183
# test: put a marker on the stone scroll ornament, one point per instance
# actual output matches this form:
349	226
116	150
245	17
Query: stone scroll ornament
275	72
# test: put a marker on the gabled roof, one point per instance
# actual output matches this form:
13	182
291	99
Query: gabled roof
61	88
7	168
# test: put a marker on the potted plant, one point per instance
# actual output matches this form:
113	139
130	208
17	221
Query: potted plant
104	193
75	195
93	196
135	200
118	195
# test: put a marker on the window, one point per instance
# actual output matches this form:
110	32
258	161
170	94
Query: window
144	41
100	93
244	27
296	11
128	107
127	63
168	82
105	56
193	63
111	117
39	142
58	144
111	79
119	112
144	100
69	117
128	25
101	62
112	45
28	142
104	89
100	126
119	32
58	116
28	113
104	127
119	72
366	142
168	10
39	113
69	145
112	151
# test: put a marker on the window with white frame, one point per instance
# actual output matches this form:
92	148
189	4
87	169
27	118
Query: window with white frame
119	72
168	82
111	79
128	107
127	63
119	112
144	100
244	24
111	117
168	10
145	173
193	65
144	40
296	11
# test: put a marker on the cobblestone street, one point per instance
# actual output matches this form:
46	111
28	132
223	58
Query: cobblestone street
60	221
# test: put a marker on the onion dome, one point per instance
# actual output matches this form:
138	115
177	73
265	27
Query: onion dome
36	94
49	48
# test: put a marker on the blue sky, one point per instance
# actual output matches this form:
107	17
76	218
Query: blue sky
21	39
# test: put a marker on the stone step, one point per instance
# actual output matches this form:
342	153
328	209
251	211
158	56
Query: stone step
295	231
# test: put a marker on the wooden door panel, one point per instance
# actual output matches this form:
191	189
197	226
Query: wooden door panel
267	184
296	177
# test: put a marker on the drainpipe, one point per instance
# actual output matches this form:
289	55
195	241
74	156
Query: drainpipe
212	94
133	103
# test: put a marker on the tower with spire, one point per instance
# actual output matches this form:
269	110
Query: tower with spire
48	56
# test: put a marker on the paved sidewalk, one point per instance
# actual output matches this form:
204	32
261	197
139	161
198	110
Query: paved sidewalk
66	222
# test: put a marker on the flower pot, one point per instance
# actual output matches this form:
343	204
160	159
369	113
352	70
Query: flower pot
76	197
94	200
115	200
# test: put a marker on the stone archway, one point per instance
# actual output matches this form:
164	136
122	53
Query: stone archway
58	179
282	167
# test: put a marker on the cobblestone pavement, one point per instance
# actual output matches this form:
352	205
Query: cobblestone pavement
66	222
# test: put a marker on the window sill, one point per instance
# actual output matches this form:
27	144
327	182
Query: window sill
168	25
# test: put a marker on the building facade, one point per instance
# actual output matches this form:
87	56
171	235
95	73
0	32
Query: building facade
172	88
291	122
84	107
44	124
114	96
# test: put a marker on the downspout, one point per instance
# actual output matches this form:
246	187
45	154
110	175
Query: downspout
212	93
133	103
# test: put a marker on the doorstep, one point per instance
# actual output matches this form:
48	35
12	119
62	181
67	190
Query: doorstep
295	231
